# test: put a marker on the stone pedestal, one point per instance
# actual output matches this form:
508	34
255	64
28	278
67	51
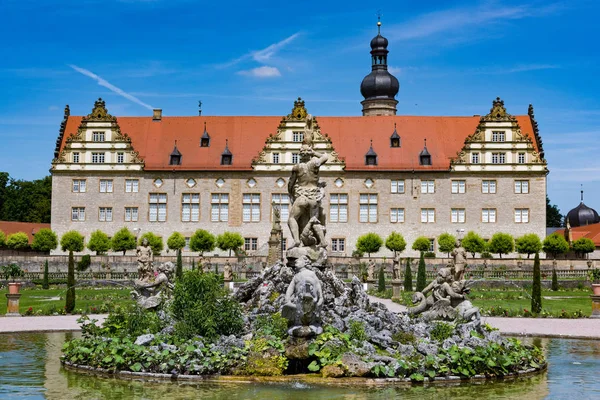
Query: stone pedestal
396	289
595	306
371	284
12	308
228	285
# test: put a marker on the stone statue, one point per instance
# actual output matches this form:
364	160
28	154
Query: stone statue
145	257
150	295
459	261
303	301
396	273
371	270
227	275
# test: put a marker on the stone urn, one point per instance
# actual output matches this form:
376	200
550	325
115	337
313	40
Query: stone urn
14	287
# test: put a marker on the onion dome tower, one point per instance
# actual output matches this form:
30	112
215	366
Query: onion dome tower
379	88
582	215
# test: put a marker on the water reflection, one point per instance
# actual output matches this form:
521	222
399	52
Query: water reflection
30	369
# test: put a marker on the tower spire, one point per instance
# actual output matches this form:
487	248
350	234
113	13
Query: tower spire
379	22
582	192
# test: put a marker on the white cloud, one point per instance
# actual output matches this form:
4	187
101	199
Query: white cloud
264	55
395	70
110	86
262	72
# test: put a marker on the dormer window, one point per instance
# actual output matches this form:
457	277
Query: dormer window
226	156
424	156
175	157
395	138
371	156
205	139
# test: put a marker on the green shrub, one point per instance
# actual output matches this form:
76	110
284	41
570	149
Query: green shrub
446	243
356	331
228	241
487	255
395	242
381	281
528	244
2	239
555	244
441	331
17	241
369	243
554	280
123	240
536	289
154	241
45	283
421	244
44	240
408	283
202	241
429	254
176	241
131	320
421	275
473	243
99	242
84	263
270	325
501	243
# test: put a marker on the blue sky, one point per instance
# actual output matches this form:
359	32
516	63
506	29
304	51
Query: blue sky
249	58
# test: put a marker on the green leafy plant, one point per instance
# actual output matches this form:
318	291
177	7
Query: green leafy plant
84	263
421	274
473	243
369	243
381	280
45	283
554	280
12	271
441	331
154	241
594	275
395	242
528	244
99	242
555	244
44	240
202	241
356	331
583	246
71	241
501	243
228	241
176	241
17	241
536	290
270	325
2	239
421	244
123	240
446	243
408	283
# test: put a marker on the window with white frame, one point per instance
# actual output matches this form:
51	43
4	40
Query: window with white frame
498	136
78	214
105	214
97	158
427	215
131	214
282	200
521	215
76	157
79	185
488	186
458	215
190	207
521	158
219	207
338	207
498	158
97	136
397	186
475	158
132	185
521	186
250	244
338	245
158	207
368	208
297	136
396	215
295	158
275	158
459	186
106	186
428	186
120	158
488	215
251	207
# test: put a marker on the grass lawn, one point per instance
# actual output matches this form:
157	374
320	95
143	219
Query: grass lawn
46	302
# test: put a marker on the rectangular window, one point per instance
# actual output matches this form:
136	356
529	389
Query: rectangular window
521	158
397	215
251	207
522	187
283	201
250	244
131	214
498	158
475	158
297	136
458	215
295	158
521	215
105	214
275	158
368	208
488	215
459	186
338	245
120	158
78	214
338	207
76	157
158	207
219	207
398	186
190	207
284	244
98	136
428	186
187	239
79	185
498	136
132	185
106	185
427	215
488	186
97	158
431	244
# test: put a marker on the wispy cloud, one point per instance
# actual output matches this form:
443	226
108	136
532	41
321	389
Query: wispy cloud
110	86
261	72
264	55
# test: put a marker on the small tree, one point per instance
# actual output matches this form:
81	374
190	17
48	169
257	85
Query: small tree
71	241
421	274
44	240
501	243
408	284
179	265
473	243
554	280
369	243
446	243
202	241
395	242
2	239
45	283
99	242
555	244
154	241
17	241
230	241
123	240
421	244
177	242
381	281
528	244
536	289
583	246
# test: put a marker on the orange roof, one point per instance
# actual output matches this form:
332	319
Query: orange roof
591	231
351	136
30	228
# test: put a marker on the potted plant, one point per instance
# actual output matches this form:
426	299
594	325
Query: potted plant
594	275
12	271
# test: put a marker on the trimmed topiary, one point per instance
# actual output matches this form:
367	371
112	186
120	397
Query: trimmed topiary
421	274
536	289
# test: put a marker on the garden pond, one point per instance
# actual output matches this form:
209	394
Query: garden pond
31	369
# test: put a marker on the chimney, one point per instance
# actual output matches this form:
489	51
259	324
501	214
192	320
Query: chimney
157	114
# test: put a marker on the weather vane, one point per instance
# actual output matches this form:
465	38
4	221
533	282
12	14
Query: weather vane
379	14
200	107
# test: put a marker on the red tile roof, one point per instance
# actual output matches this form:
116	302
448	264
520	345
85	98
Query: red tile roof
351	136
591	231
30	228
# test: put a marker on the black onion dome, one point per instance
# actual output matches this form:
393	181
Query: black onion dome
379	42
582	215
379	84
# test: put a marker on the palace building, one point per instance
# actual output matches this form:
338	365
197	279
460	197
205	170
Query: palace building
417	175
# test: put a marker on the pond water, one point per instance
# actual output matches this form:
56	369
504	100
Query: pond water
29	369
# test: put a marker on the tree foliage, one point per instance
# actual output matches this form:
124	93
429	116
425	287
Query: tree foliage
44	240
554	286
2	239
421	244
176	241
154	241
473	243
230	241
70	297
555	244
395	242
369	243
71	241
45	282
528	244
408	283
99	242
25	201
17	241
123	240
202	241
179	265
536	288
381	280
501	243
583	246
446	243
421	274
553	215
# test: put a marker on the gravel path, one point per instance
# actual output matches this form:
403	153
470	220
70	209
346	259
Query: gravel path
55	323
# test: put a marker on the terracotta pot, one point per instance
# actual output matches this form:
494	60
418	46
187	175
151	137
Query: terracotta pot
596	289
13	287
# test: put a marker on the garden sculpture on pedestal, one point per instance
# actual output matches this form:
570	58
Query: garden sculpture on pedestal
371	270
145	258
396	267
459	256
227	275
152	293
